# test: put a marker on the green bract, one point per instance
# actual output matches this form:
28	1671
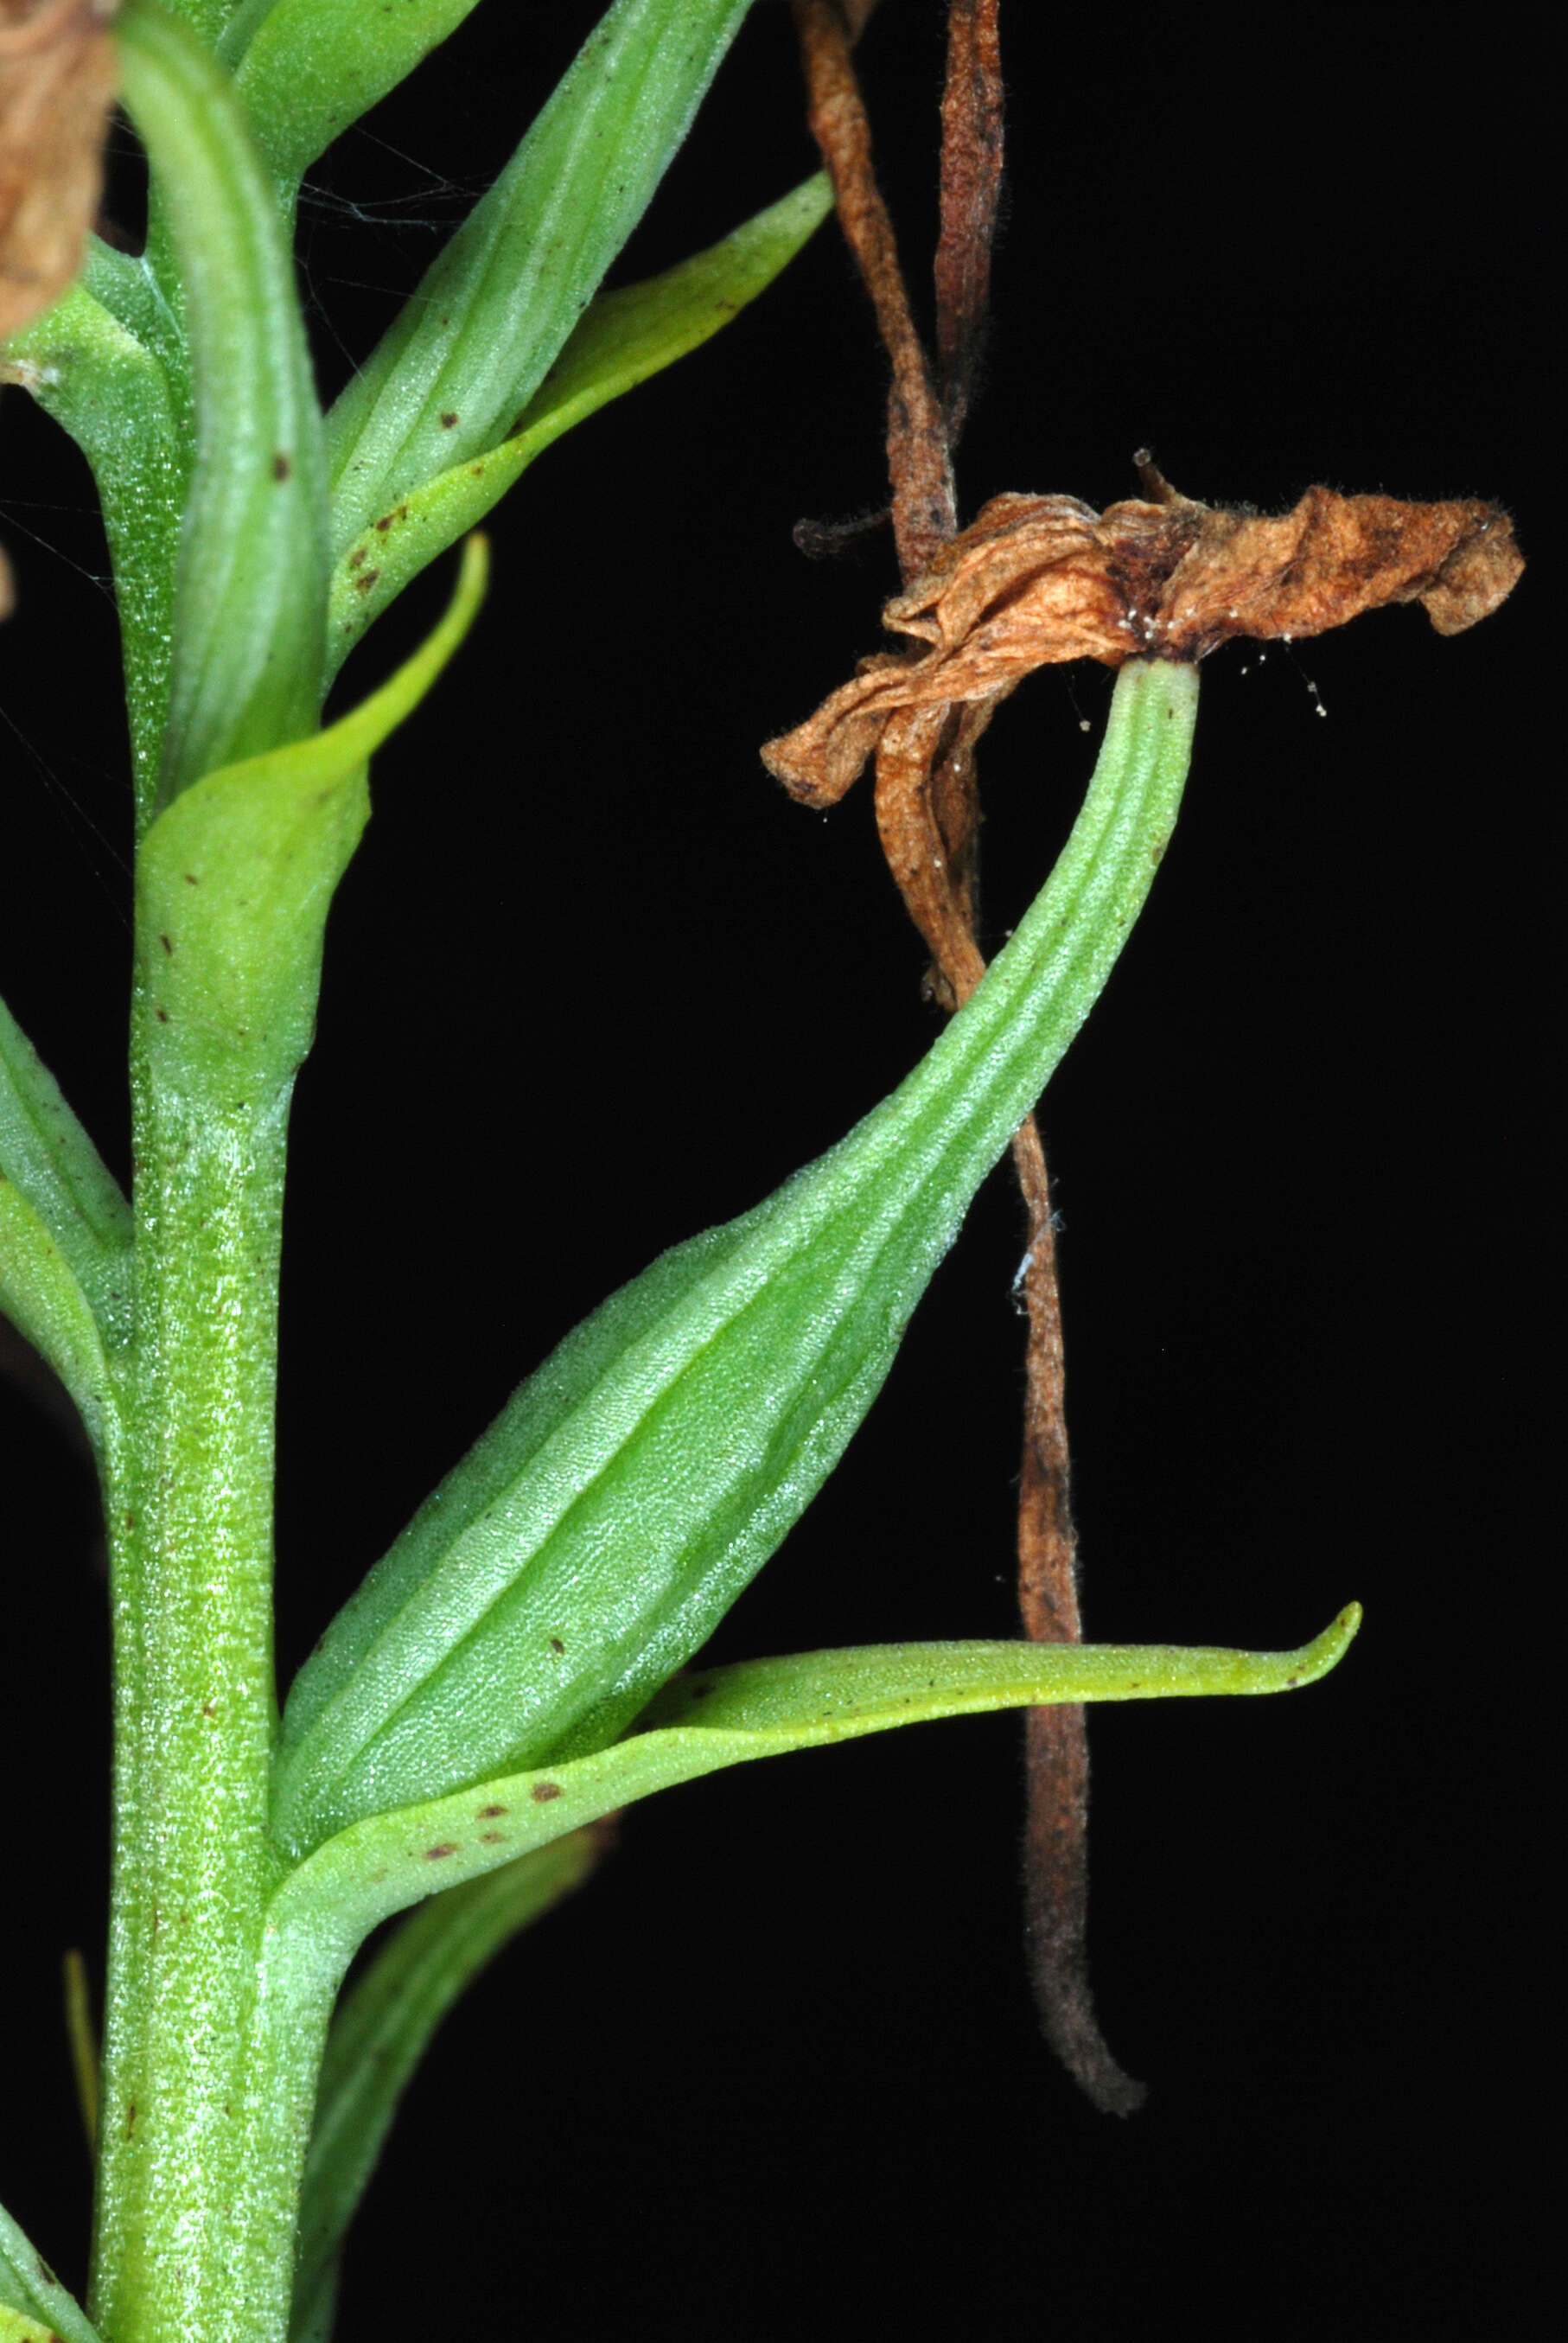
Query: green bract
623	338
612	1514
382	2031
467	353
33	2306
728	1716
250	602
66	1249
308	69
235	878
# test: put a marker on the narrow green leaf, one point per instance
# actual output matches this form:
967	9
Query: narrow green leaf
611	1515
29	2291
728	1717
308	68
234	880
314	2321
54	1166
249	609
386	2026
468	351
40	1295
624	337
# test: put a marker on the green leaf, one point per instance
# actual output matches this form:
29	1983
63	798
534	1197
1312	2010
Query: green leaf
609	1517
383	2029
42	1299
65	1233
466	352
311	67
249	605
55	1167
234	880
29	2292
624	337
728	1717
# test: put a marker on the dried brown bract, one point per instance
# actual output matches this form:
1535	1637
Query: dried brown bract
57	79
1036	580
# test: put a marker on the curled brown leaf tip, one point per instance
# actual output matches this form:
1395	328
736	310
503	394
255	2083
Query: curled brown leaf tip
1036	580
58	76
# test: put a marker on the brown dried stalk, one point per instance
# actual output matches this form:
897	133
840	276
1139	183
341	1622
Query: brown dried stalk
927	817
924	513
970	186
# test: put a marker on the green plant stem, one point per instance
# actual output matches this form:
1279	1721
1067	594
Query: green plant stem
190	1513
207	2086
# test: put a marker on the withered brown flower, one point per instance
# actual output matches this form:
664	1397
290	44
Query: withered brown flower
58	76
1035	581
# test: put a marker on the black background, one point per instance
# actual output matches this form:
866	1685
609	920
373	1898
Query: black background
594	983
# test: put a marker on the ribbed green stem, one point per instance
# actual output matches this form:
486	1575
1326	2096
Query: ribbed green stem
191	1537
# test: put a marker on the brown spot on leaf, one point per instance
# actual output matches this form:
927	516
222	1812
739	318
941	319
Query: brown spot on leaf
166	945
448	422
543	1792
362	585
492	1838
1036	580
130	2118
282	469
438	1853
489	1814
557	1645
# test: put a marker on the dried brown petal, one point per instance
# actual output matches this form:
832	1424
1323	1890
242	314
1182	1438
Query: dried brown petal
57	79
1036	580
1032	581
1332	559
